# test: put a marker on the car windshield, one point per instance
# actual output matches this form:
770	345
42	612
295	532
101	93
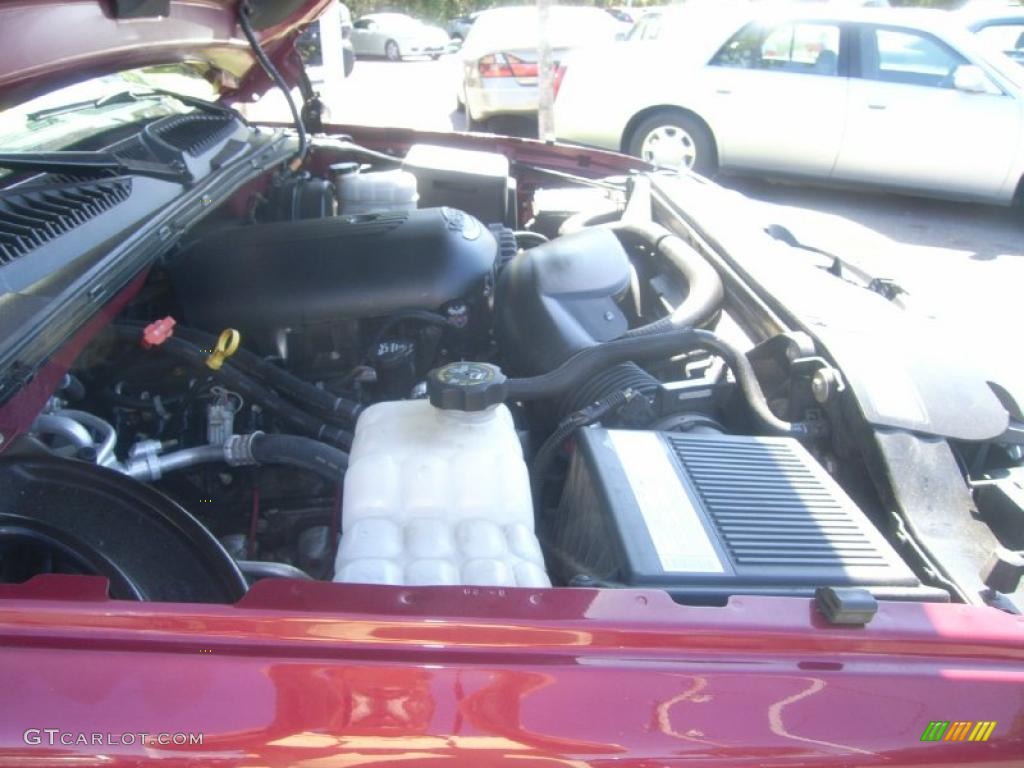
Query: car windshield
65	117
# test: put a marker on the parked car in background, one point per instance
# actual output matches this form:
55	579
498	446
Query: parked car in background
906	99
499	57
459	27
1001	28
397	35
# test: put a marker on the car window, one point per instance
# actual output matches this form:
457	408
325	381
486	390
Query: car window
364	24
903	56
802	47
1008	38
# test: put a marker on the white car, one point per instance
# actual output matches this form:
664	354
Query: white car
907	99
499	56
396	35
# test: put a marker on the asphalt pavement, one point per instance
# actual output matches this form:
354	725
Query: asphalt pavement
961	261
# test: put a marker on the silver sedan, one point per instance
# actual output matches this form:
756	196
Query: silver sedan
396	35
499	57
906	99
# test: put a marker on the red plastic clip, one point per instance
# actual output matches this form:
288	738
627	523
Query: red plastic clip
157	332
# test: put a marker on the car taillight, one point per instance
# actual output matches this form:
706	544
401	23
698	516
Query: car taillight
556	80
506	65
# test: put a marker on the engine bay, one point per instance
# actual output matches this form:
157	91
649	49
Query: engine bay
371	374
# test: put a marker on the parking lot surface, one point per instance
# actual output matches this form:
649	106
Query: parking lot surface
961	262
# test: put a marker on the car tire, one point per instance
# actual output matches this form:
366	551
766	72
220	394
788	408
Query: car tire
391	51
435	56
472	123
685	140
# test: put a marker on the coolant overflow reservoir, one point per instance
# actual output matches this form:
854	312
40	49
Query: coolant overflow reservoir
440	495
374	192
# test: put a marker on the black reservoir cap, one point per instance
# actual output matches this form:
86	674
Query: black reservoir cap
466	386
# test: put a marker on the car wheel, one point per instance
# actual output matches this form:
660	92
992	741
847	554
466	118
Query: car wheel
674	140
391	51
435	56
472	123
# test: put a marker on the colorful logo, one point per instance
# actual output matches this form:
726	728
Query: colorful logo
958	730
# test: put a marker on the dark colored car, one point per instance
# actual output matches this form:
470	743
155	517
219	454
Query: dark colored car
308	45
459	26
328	444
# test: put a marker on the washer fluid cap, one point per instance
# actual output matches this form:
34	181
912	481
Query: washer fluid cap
466	386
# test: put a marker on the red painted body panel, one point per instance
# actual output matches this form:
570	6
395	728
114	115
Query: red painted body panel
321	674
49	43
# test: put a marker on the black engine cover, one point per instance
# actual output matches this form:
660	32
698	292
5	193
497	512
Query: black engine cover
264	279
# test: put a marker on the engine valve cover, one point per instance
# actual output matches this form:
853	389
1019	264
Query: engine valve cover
265	279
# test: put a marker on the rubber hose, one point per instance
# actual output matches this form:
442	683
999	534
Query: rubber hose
585	219
654	346
705	294
235	380
254	570
279	379
301	452
261	56
289	450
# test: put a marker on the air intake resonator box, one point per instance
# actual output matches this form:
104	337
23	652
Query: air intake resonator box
709	516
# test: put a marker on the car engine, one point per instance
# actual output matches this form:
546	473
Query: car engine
375	375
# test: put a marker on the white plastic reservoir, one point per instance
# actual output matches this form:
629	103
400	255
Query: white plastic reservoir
438	497
375	192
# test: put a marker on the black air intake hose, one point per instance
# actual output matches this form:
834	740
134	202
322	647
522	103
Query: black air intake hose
590	362
705	295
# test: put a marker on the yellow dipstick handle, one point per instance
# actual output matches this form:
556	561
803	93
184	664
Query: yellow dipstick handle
227	345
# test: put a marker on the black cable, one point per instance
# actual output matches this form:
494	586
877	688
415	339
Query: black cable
333	406
268	66
656	346
247	386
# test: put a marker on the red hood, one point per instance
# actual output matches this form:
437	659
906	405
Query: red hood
49	43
